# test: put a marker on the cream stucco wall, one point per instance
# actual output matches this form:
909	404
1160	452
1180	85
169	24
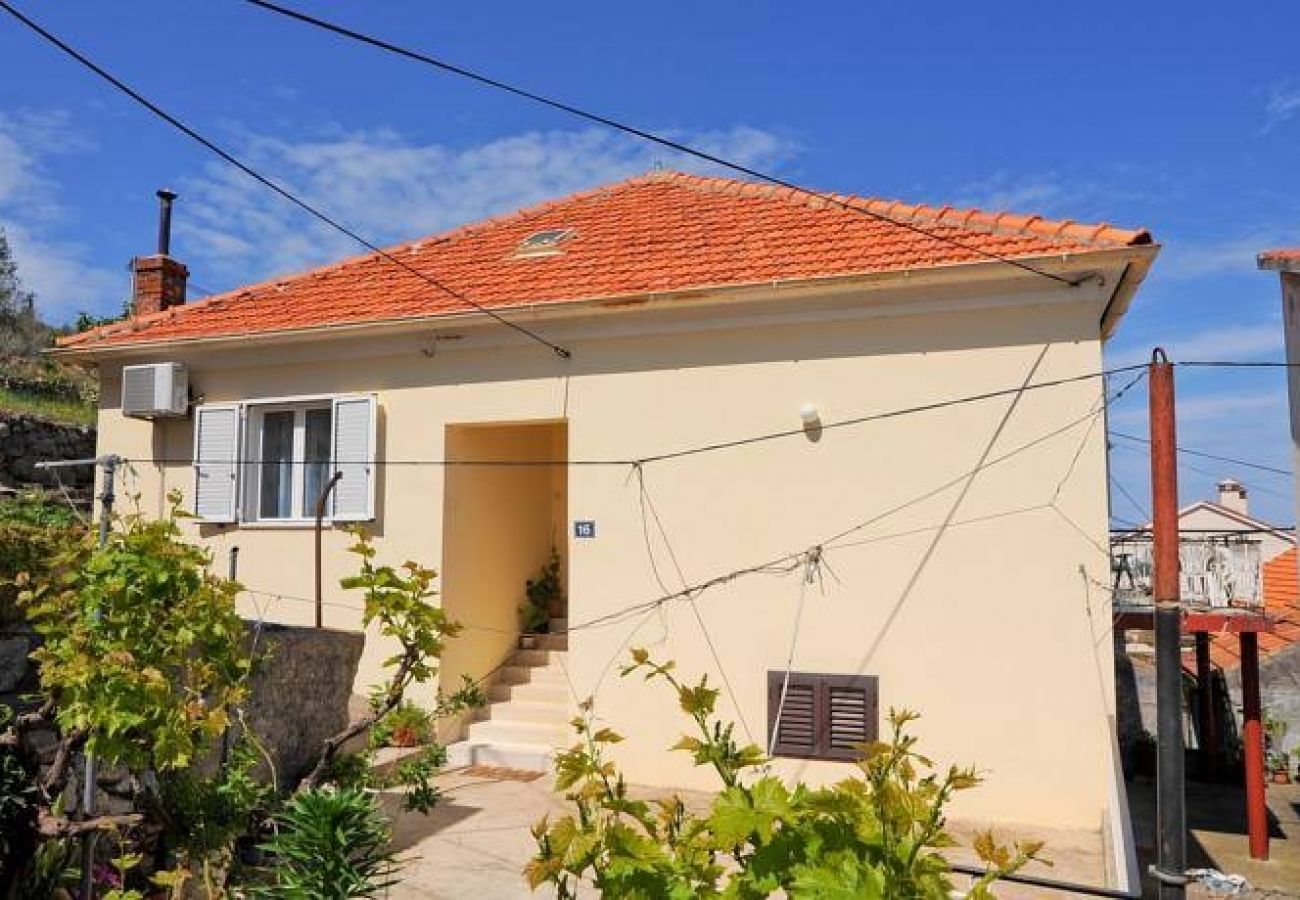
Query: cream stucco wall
992	627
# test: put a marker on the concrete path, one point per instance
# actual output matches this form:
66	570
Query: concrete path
1217	839
477	840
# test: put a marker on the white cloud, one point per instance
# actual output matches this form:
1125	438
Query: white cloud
1183	260
1020	193
1283	104
389	188
1237	342
30	213
1056	194
1206	408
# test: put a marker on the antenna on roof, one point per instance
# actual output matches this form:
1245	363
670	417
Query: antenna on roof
658	164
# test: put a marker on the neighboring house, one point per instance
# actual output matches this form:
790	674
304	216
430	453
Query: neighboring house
1222	552
1230	561
1279	650
698	311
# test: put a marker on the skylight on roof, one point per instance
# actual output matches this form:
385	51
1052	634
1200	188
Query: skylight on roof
543	243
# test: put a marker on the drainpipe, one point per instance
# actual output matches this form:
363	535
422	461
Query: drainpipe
320	517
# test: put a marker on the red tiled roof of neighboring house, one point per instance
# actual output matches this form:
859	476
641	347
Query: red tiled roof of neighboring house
657	233
1287	259
1281	604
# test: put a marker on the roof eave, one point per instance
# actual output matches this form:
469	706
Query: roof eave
1136	260
1141	258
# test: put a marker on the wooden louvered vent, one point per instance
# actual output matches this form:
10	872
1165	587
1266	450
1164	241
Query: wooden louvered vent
823	716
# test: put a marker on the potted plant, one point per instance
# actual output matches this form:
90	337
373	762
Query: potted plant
1276	759
406	726
542	595
1278	762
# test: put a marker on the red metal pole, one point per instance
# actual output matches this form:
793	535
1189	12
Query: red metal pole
1171	819
1209	733
1252	747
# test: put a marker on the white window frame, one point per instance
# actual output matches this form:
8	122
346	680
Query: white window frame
254	417
248	456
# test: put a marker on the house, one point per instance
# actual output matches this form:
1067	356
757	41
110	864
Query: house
1230	562
723	434
1222	552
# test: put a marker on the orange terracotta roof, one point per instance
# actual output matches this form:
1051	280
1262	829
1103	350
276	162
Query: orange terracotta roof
1281	603
657	233
1286	259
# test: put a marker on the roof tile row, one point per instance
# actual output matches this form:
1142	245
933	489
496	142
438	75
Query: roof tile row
657	233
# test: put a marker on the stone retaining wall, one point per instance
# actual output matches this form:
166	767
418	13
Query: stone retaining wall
26	440
299	695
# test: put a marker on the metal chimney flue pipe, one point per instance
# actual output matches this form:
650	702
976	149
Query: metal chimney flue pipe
165	198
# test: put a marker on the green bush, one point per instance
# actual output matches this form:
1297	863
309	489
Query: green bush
206	814
877	835
17	806
143	649
35	530
330	845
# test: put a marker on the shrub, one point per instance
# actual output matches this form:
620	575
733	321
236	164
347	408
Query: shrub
143	650
397	600
206	815
142	661
17	805
875	835
34	531
331	845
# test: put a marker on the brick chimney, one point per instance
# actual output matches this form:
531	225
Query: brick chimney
1232	495
158	281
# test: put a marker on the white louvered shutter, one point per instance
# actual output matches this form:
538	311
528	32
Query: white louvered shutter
216	462
353	454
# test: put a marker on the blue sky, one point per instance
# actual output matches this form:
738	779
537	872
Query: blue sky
1185	122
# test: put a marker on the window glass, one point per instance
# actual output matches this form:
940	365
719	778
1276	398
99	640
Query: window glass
316	458
275	500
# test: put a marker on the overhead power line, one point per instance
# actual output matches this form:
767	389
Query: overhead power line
266	181
703	448
644	134
1204	455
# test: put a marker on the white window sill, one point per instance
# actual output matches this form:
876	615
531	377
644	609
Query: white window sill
285	524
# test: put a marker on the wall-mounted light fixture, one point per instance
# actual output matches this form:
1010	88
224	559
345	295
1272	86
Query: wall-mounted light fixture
810	416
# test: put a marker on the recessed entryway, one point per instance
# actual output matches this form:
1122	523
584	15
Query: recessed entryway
505	511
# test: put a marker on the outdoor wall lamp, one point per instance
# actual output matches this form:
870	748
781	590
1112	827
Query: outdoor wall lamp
810	416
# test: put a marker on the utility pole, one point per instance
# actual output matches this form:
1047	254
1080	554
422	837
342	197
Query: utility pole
1171	818
90	775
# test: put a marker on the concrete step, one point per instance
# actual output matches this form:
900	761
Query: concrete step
501	731
539	657
551	675
552	642
542	713
530	692
526	757
387	759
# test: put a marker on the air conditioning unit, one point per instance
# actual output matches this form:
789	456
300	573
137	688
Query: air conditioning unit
155	390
